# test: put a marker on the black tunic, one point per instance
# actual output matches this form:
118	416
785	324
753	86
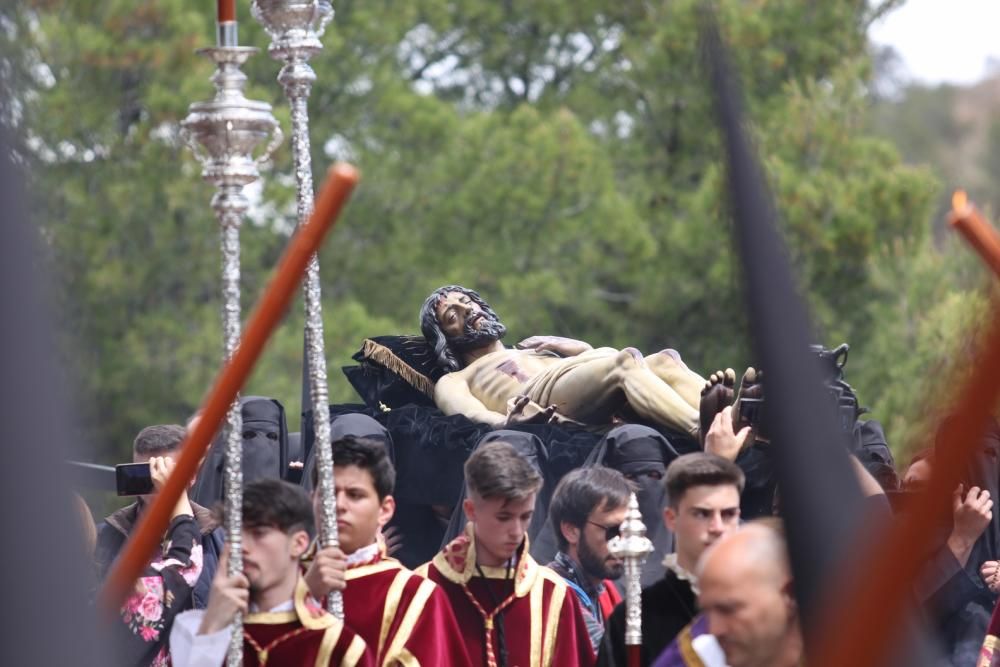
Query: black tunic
667	606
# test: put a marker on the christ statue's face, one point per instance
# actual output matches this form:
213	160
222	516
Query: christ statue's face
464	322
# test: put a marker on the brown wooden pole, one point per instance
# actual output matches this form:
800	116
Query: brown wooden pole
981	235
340	181
866	618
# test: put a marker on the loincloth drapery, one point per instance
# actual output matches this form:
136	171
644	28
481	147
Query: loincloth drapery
539	388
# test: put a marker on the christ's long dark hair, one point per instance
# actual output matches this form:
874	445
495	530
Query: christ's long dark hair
444	355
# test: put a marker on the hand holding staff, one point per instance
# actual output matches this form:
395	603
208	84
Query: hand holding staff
340	181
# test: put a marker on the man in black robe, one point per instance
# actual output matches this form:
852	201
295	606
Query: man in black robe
703	496
952	588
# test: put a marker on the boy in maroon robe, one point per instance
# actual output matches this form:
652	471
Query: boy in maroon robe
511	611
404	618
285	625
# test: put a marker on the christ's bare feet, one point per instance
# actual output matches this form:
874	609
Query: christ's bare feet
717	394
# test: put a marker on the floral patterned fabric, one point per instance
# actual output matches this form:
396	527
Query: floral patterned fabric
161	592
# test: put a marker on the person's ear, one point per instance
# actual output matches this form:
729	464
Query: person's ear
385	511
788	592
570	533
470	509
670	518
300	543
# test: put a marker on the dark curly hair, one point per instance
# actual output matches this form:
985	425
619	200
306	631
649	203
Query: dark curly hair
444	355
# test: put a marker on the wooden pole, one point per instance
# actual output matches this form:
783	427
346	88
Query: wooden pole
867	617
272	306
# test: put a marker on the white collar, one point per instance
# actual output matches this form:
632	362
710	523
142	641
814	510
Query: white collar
287	605
364	554
670	562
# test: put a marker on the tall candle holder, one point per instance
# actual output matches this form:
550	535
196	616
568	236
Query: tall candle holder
632	546
223	134
295	27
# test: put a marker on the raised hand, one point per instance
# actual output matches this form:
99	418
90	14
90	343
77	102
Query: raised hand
327	573
229	595
160	469
721	439
990	572
971	515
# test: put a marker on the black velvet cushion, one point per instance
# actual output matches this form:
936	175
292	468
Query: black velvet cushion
394	371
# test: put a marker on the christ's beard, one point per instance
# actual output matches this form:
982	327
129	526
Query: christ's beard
490	331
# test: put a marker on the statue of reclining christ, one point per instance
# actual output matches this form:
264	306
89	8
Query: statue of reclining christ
548	378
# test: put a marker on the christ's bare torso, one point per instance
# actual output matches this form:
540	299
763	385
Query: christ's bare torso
498	376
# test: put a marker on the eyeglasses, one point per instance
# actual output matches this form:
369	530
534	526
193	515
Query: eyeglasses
610	532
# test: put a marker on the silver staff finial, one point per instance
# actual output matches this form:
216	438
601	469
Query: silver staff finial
295	27
224	134
632	547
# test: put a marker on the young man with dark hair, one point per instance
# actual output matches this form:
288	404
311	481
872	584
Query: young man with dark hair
703	493
511	611
404	618
179	576
285	624
586	511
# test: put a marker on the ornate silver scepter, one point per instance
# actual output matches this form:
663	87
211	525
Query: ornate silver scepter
223	134
295	27
632	547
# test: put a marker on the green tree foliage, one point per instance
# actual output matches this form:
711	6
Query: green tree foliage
561	157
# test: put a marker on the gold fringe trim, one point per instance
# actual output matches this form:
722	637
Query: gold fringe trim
384	356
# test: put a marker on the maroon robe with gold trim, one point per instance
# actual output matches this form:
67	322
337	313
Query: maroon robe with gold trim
543	624
989	655
307	635
402	616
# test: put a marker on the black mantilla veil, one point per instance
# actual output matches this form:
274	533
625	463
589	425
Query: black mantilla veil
265	450
445	348
642	454
529	446
349	425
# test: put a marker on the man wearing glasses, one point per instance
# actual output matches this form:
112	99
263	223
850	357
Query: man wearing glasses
586	510
703	504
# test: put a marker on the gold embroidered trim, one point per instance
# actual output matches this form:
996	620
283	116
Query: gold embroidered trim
552	621
407	659
536	601
524	574
354	653
988	651
271	617
365	570
264	652
313	617
384	356
413	612
392	597
328	643
688	653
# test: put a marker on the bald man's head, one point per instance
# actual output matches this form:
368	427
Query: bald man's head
746	593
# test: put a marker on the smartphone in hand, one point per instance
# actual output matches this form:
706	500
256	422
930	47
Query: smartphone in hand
133	479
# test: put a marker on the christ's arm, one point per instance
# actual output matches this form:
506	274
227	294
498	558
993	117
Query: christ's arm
564	347
454	397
